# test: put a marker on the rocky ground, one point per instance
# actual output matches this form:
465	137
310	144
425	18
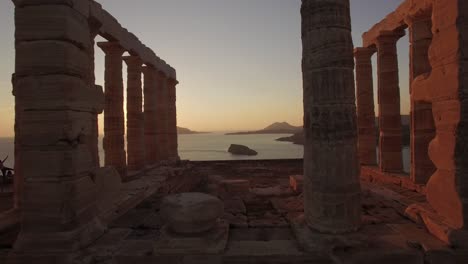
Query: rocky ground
263	212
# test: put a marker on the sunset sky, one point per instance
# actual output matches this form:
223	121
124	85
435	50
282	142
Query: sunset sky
238	61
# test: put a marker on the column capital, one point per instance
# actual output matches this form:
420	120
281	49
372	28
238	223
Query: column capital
390	37
364	52
133	61
149	71
111	48
161	75
172	81
417	18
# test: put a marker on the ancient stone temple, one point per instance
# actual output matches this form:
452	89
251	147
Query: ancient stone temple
57	104
347	201
436	31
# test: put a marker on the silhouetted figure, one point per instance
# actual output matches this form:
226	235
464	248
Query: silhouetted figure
6	172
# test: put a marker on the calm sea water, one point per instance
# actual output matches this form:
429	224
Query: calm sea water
213	146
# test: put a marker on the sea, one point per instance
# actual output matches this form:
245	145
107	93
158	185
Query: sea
214	146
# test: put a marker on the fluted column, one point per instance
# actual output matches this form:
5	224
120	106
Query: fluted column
162	121
150	115
114	121
331	166
422	121
172	120
390	142
367	140
135	119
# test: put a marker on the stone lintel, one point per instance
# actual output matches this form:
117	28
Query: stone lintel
111	48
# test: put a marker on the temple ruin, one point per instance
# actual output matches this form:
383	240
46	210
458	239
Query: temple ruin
437	89
343	203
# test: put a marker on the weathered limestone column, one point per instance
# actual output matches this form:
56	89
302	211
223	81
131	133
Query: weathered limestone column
150	115
445	88
331	166
94	140
367	140
390	142
162	112
135	118
422	121
55	109
172	121
114	121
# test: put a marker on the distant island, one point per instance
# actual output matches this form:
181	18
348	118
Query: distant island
298	137
186	131
275	128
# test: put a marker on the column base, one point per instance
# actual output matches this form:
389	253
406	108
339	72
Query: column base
59	247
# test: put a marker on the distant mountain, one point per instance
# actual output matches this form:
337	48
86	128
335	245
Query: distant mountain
275	128
186	131
298	137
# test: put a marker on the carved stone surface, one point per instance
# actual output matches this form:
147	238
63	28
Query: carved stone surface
331	179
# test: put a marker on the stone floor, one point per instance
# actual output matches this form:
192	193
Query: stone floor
261	214
264	212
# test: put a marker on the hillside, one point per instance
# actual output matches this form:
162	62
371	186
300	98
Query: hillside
275	128
186	131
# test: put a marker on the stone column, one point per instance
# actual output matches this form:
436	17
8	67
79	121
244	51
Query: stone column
114	121
150	115
162	122
445	88
55	109
422	121
135	119
367	139
331	166
390	142
94	140
172	121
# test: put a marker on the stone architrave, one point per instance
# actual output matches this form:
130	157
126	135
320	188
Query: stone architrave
114	120
390	140
367	138
135	118
331	165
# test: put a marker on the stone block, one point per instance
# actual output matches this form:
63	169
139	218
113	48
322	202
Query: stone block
55	163
58	92
51	57
296	182
52	22
109	184
189	213
21	3
235	187
213	242
54	129
58	206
